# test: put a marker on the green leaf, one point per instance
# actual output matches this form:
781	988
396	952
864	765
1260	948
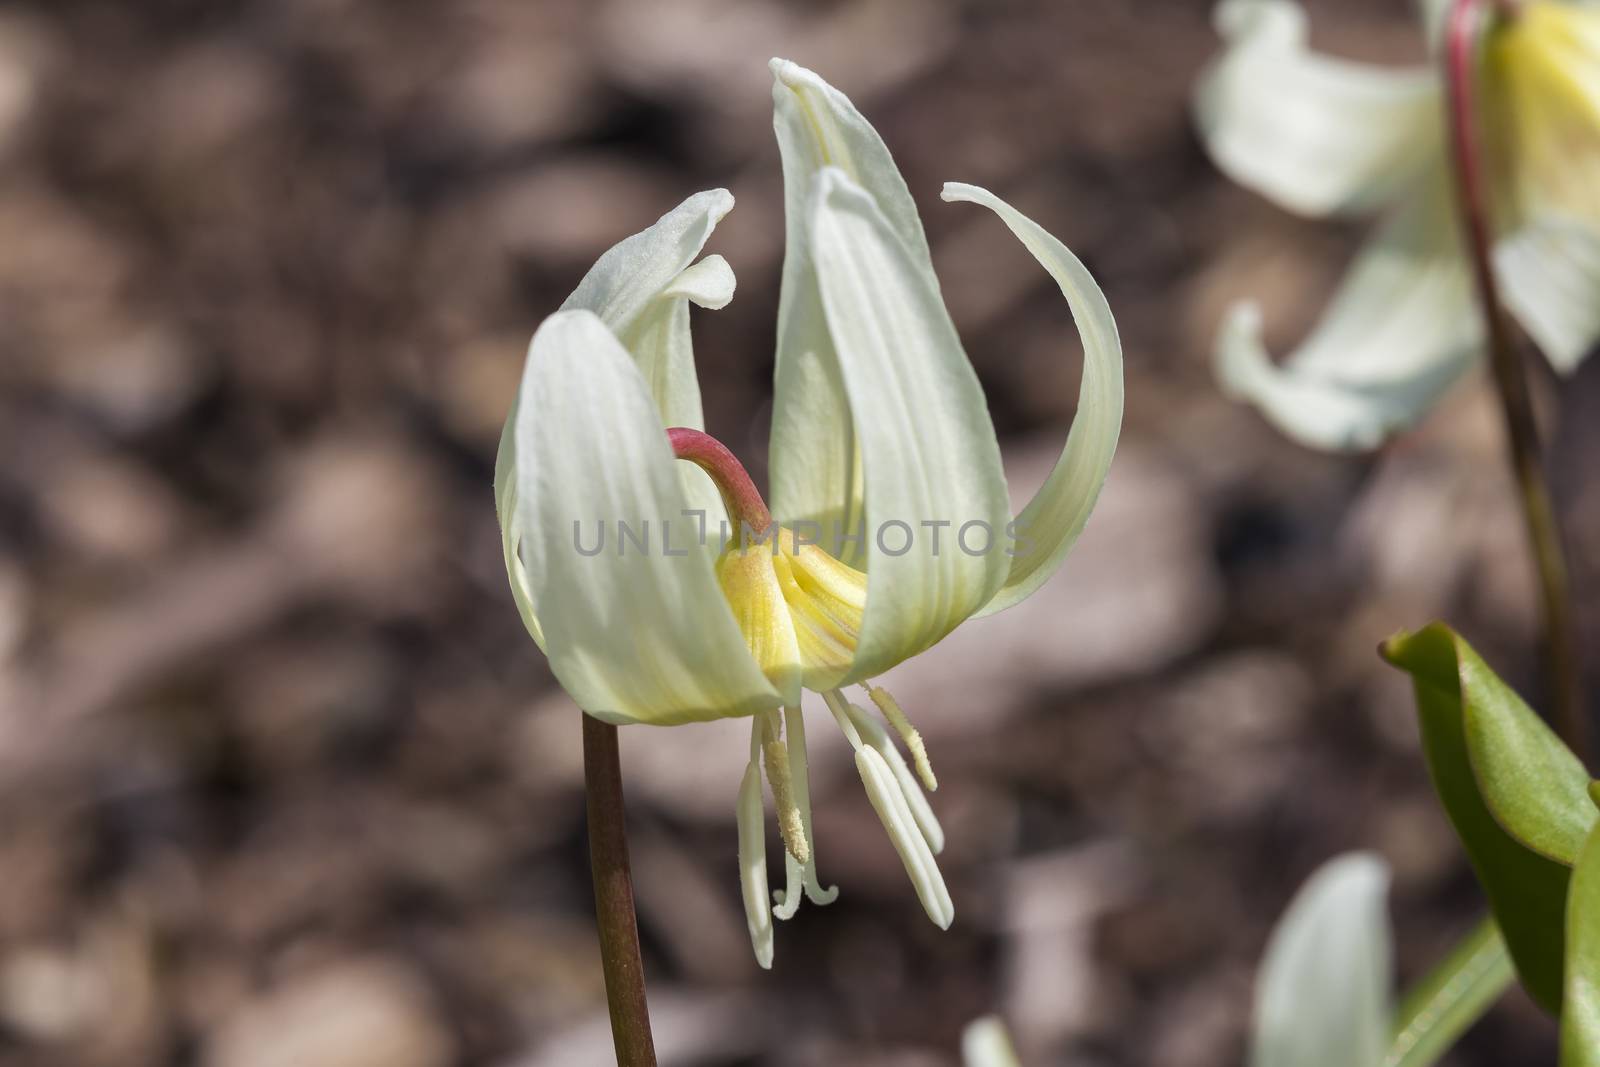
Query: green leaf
1534	784
1453	996
1580	1014
1510	790
1535	787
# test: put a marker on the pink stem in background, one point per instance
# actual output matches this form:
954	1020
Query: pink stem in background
739	493
1467	17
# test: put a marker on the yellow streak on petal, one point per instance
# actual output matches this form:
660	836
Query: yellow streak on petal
799	609
752	590
1542	76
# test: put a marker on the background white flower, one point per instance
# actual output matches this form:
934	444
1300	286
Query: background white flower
1325	136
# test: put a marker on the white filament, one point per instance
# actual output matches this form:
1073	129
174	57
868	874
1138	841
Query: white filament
889	803
872	733
800	876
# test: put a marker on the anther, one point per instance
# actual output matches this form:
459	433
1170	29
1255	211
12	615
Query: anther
908	734
775	755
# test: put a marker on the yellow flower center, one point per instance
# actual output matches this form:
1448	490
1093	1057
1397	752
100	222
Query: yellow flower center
799	608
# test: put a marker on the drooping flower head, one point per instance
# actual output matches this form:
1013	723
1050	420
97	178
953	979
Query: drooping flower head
656	578
1324	136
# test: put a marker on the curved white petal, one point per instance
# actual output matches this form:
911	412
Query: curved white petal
1398	333
1322	996
1053	519
633	633
1549	271
814	460
929	458
505	507
1313	133
641	289
635	271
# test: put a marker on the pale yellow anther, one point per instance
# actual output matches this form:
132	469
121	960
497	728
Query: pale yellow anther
908	734
775	756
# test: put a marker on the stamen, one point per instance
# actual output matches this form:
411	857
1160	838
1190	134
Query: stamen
753	856
841	715
907	839
876	736
800	877
908	734
776	757
890	804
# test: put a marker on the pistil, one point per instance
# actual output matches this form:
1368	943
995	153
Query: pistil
739	493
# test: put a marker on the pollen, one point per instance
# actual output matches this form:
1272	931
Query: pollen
775	754
909	736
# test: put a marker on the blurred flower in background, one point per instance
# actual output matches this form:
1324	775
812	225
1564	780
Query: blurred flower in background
1326	136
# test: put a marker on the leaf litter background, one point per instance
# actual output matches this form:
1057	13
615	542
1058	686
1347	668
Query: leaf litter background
284	784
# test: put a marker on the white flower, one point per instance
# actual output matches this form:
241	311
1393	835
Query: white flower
1322	995
985	1042
1323	136
880	433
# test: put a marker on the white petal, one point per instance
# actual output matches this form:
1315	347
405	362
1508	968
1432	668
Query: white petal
1400	331
930	462
634	272
1312	133
633	635
814	463
1549	272
1322	997
709	283
1056	515
641	289
505	506
985	1043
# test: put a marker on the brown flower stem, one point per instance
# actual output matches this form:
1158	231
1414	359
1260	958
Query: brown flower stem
613	897
1522	431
